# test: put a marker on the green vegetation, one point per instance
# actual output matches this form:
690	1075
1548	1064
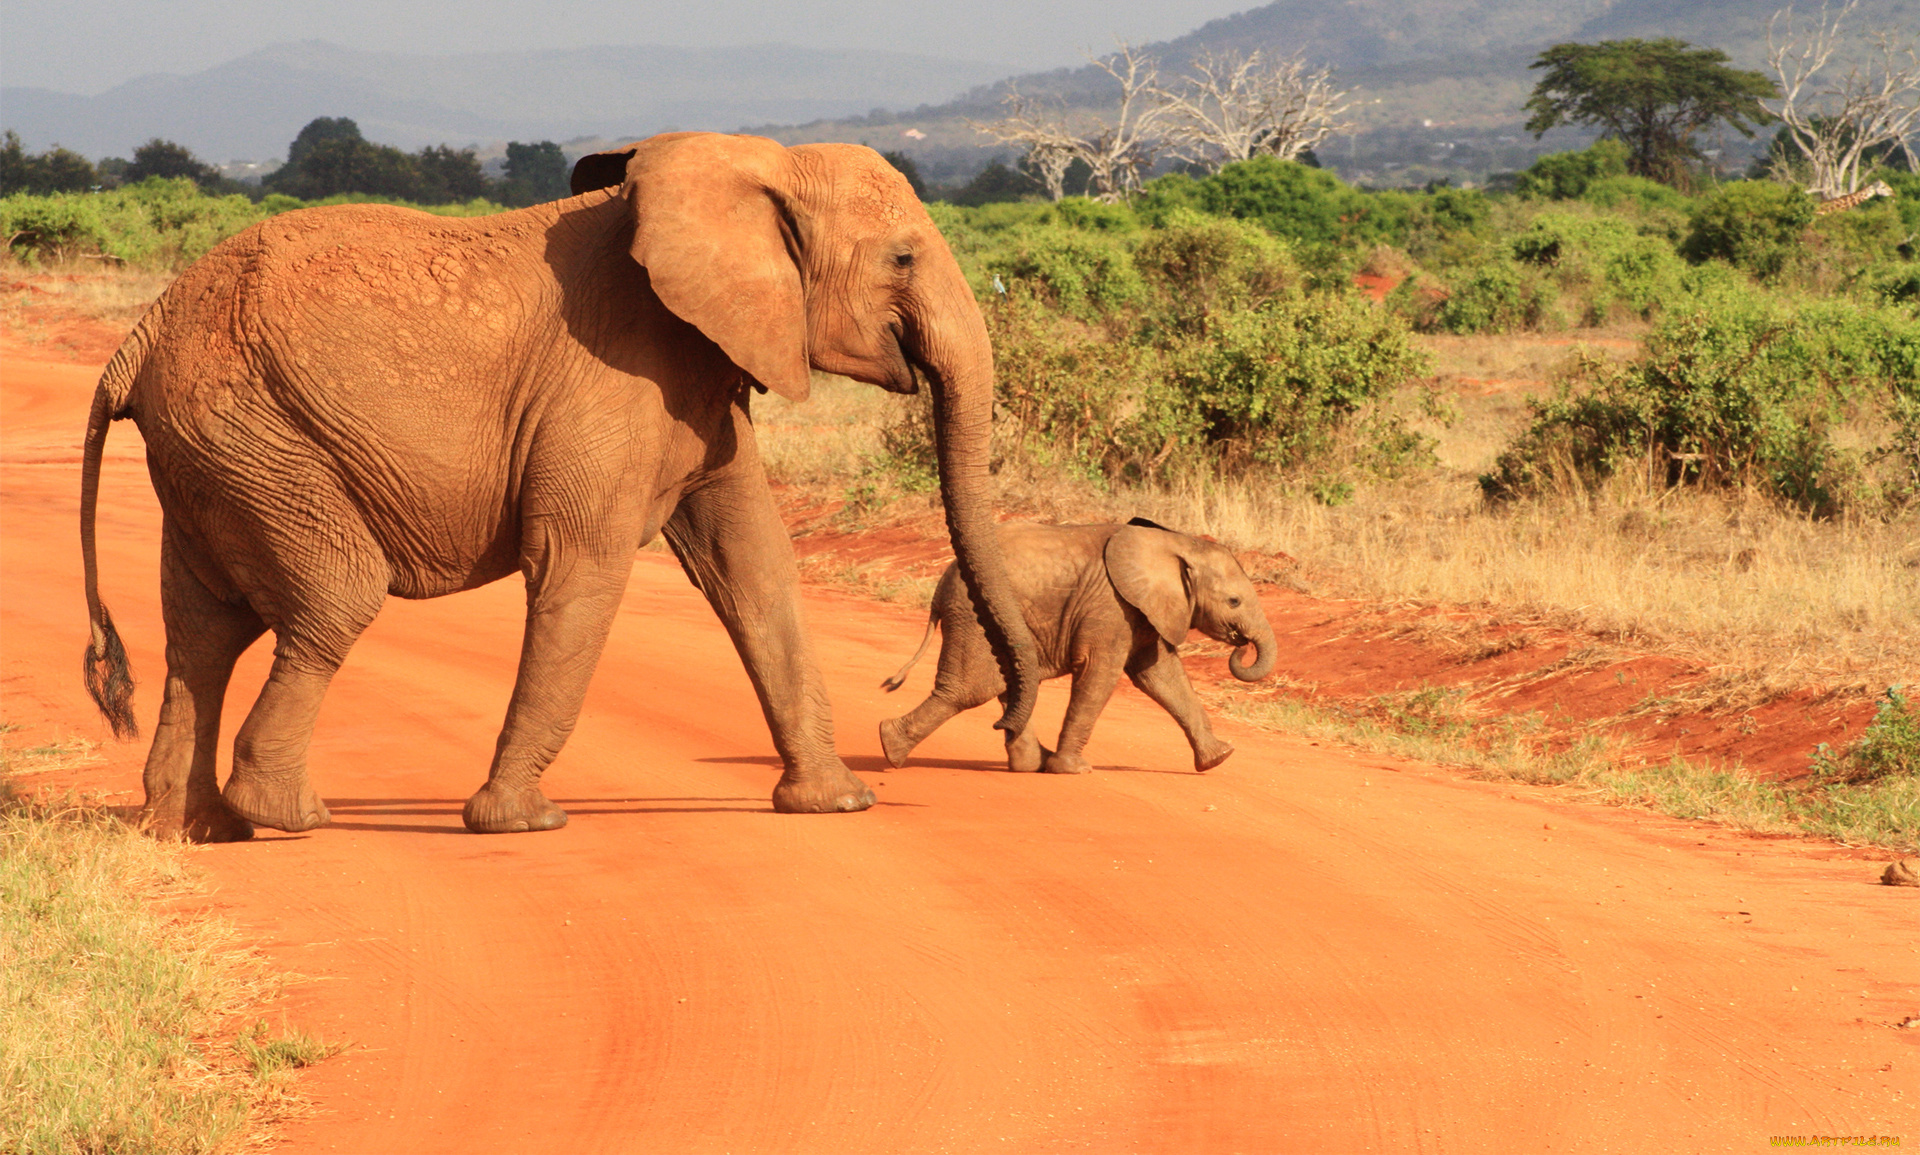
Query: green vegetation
329	159
1654	96
111	1012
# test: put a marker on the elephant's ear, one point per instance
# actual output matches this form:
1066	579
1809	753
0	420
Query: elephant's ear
711	229
1148	570
598	170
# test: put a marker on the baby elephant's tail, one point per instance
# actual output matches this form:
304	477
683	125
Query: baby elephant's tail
900	678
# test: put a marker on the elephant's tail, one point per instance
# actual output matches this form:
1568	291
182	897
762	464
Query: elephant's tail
900	678
108	674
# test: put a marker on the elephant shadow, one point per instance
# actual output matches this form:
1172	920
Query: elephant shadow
576	808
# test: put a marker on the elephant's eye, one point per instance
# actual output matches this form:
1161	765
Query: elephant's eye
903	260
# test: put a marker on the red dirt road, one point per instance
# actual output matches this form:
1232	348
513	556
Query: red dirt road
1308	949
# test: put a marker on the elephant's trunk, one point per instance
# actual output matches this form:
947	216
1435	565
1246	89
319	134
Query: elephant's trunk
1260	637
958	359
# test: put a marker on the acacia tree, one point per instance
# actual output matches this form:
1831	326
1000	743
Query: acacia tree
1867	111
1235	106
1653	95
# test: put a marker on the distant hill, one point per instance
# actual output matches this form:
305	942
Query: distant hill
251	107
1439	85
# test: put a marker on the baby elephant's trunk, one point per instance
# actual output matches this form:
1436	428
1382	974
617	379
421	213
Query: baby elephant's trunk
1259	635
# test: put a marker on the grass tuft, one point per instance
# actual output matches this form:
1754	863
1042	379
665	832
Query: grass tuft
111	1007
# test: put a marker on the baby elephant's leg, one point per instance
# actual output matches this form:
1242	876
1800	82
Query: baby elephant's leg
1093	684
1161	677
968	676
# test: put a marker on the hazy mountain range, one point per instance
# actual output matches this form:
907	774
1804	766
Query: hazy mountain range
251	107
1430	76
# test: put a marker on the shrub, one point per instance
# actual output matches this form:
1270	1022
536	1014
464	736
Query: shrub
1734	390
1567	175
1889	746
1754	225
157	222
1083	273
1497	297
1603	260
1291	200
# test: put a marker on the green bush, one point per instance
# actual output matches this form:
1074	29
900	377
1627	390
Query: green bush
1497	297
1291	200
1603	261
1889	746
158	222
1568	175
1084	273
1754	225
1736	389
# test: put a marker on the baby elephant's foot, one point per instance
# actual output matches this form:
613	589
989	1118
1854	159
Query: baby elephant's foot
285	802
1025	755
833	793
894	742
492	811
1057	763
1208	757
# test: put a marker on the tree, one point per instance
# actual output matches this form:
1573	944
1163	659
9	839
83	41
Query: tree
163	158
1839	130
319	130
537	172
55	170
1653	95
1234	107
1118	152
330	157
447	175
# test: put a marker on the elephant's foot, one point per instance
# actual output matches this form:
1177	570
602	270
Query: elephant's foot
1025	754
209	821
894	742
834	792
1058	763
492	811
287	803
1206	759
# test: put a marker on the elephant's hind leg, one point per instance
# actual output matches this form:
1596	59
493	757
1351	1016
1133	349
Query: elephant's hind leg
205	636
967	677
319	611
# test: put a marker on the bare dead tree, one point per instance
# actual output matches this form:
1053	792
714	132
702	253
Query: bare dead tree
1051	146
1235	106
1122	153
1837	126
1118	151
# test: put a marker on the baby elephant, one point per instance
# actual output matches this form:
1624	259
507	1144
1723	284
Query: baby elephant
1100	599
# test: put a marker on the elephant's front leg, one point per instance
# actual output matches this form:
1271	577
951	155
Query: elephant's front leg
572	598
1161	676
731	542
1093	684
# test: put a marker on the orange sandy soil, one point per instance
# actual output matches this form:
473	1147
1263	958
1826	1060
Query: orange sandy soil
1308	949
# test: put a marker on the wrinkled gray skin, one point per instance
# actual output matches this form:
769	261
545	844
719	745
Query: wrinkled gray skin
346	404
1100	600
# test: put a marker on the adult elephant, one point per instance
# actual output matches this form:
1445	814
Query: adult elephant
345	403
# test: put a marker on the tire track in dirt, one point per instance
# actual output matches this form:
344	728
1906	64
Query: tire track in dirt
1308	949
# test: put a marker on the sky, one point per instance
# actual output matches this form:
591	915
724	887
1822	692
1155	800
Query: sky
88	46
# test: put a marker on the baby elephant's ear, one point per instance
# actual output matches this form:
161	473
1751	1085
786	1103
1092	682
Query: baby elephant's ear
1149	573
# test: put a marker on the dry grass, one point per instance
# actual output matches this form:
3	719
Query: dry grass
114	1013
86	288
